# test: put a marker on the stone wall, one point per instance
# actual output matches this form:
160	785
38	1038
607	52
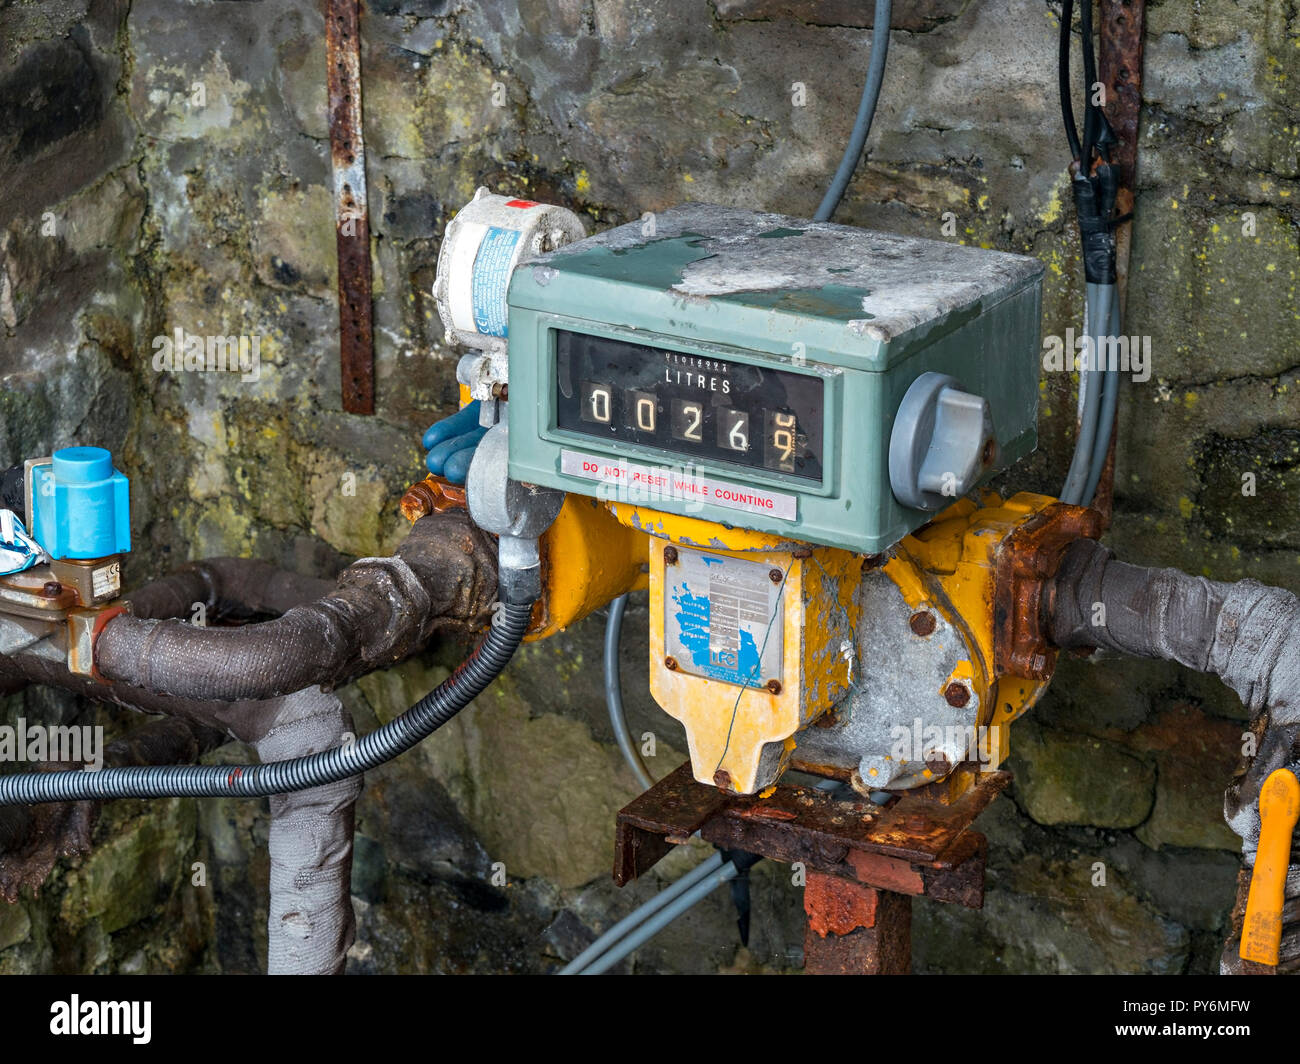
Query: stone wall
165	165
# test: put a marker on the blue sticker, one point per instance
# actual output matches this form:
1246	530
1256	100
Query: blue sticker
739	666
491	278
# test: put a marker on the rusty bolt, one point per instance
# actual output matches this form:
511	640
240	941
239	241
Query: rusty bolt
774	686
722	779
51	589
957	694
670	556
938	764
775	575
670	662
501	391
802	552
922	622
990	452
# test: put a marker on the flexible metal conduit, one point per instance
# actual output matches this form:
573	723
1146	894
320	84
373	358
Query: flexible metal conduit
301	773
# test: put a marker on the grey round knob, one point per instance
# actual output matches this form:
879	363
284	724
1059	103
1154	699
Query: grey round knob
941	444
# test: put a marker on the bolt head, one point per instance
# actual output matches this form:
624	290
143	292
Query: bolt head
670	555
670	662
774	686
922	622
956	694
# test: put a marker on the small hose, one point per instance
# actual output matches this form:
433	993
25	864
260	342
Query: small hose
866	112
473	675
614	694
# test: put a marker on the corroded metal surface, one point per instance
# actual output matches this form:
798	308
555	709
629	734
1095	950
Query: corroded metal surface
1123	24
916	845
1027	561
1119	66
431	495
352	221
855	930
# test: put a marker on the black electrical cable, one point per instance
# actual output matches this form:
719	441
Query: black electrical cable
473	675
1063	80
1089	80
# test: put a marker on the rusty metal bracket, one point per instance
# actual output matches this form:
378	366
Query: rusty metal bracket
352	220
1027	560
1119	66
855	930
915	845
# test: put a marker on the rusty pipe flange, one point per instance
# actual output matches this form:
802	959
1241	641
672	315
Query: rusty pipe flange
1027	561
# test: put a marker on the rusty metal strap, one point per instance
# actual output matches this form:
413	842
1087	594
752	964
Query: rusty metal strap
352	221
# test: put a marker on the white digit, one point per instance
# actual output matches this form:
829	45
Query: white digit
739	441
600	404
696	412
645	415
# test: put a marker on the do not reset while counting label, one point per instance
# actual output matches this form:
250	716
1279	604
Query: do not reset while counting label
645	484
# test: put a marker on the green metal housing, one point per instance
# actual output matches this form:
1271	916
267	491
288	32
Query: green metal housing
866	312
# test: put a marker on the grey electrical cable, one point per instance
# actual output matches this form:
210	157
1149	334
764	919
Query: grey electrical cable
1109	407
473	675
1098	311
638	915
1088	404
866	112
614	694
662	919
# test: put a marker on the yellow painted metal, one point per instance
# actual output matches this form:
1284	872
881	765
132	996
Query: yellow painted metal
741	738
598	550
588	559
949	566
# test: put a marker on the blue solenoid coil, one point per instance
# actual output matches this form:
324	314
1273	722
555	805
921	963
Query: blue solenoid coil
78	504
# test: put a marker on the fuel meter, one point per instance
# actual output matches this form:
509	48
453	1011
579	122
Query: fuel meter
815	381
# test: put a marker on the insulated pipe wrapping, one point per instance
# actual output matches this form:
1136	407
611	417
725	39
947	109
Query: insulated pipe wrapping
310	923
383	609
252	585
1246	633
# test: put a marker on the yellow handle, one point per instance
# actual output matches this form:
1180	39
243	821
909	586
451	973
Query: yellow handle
1279	807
